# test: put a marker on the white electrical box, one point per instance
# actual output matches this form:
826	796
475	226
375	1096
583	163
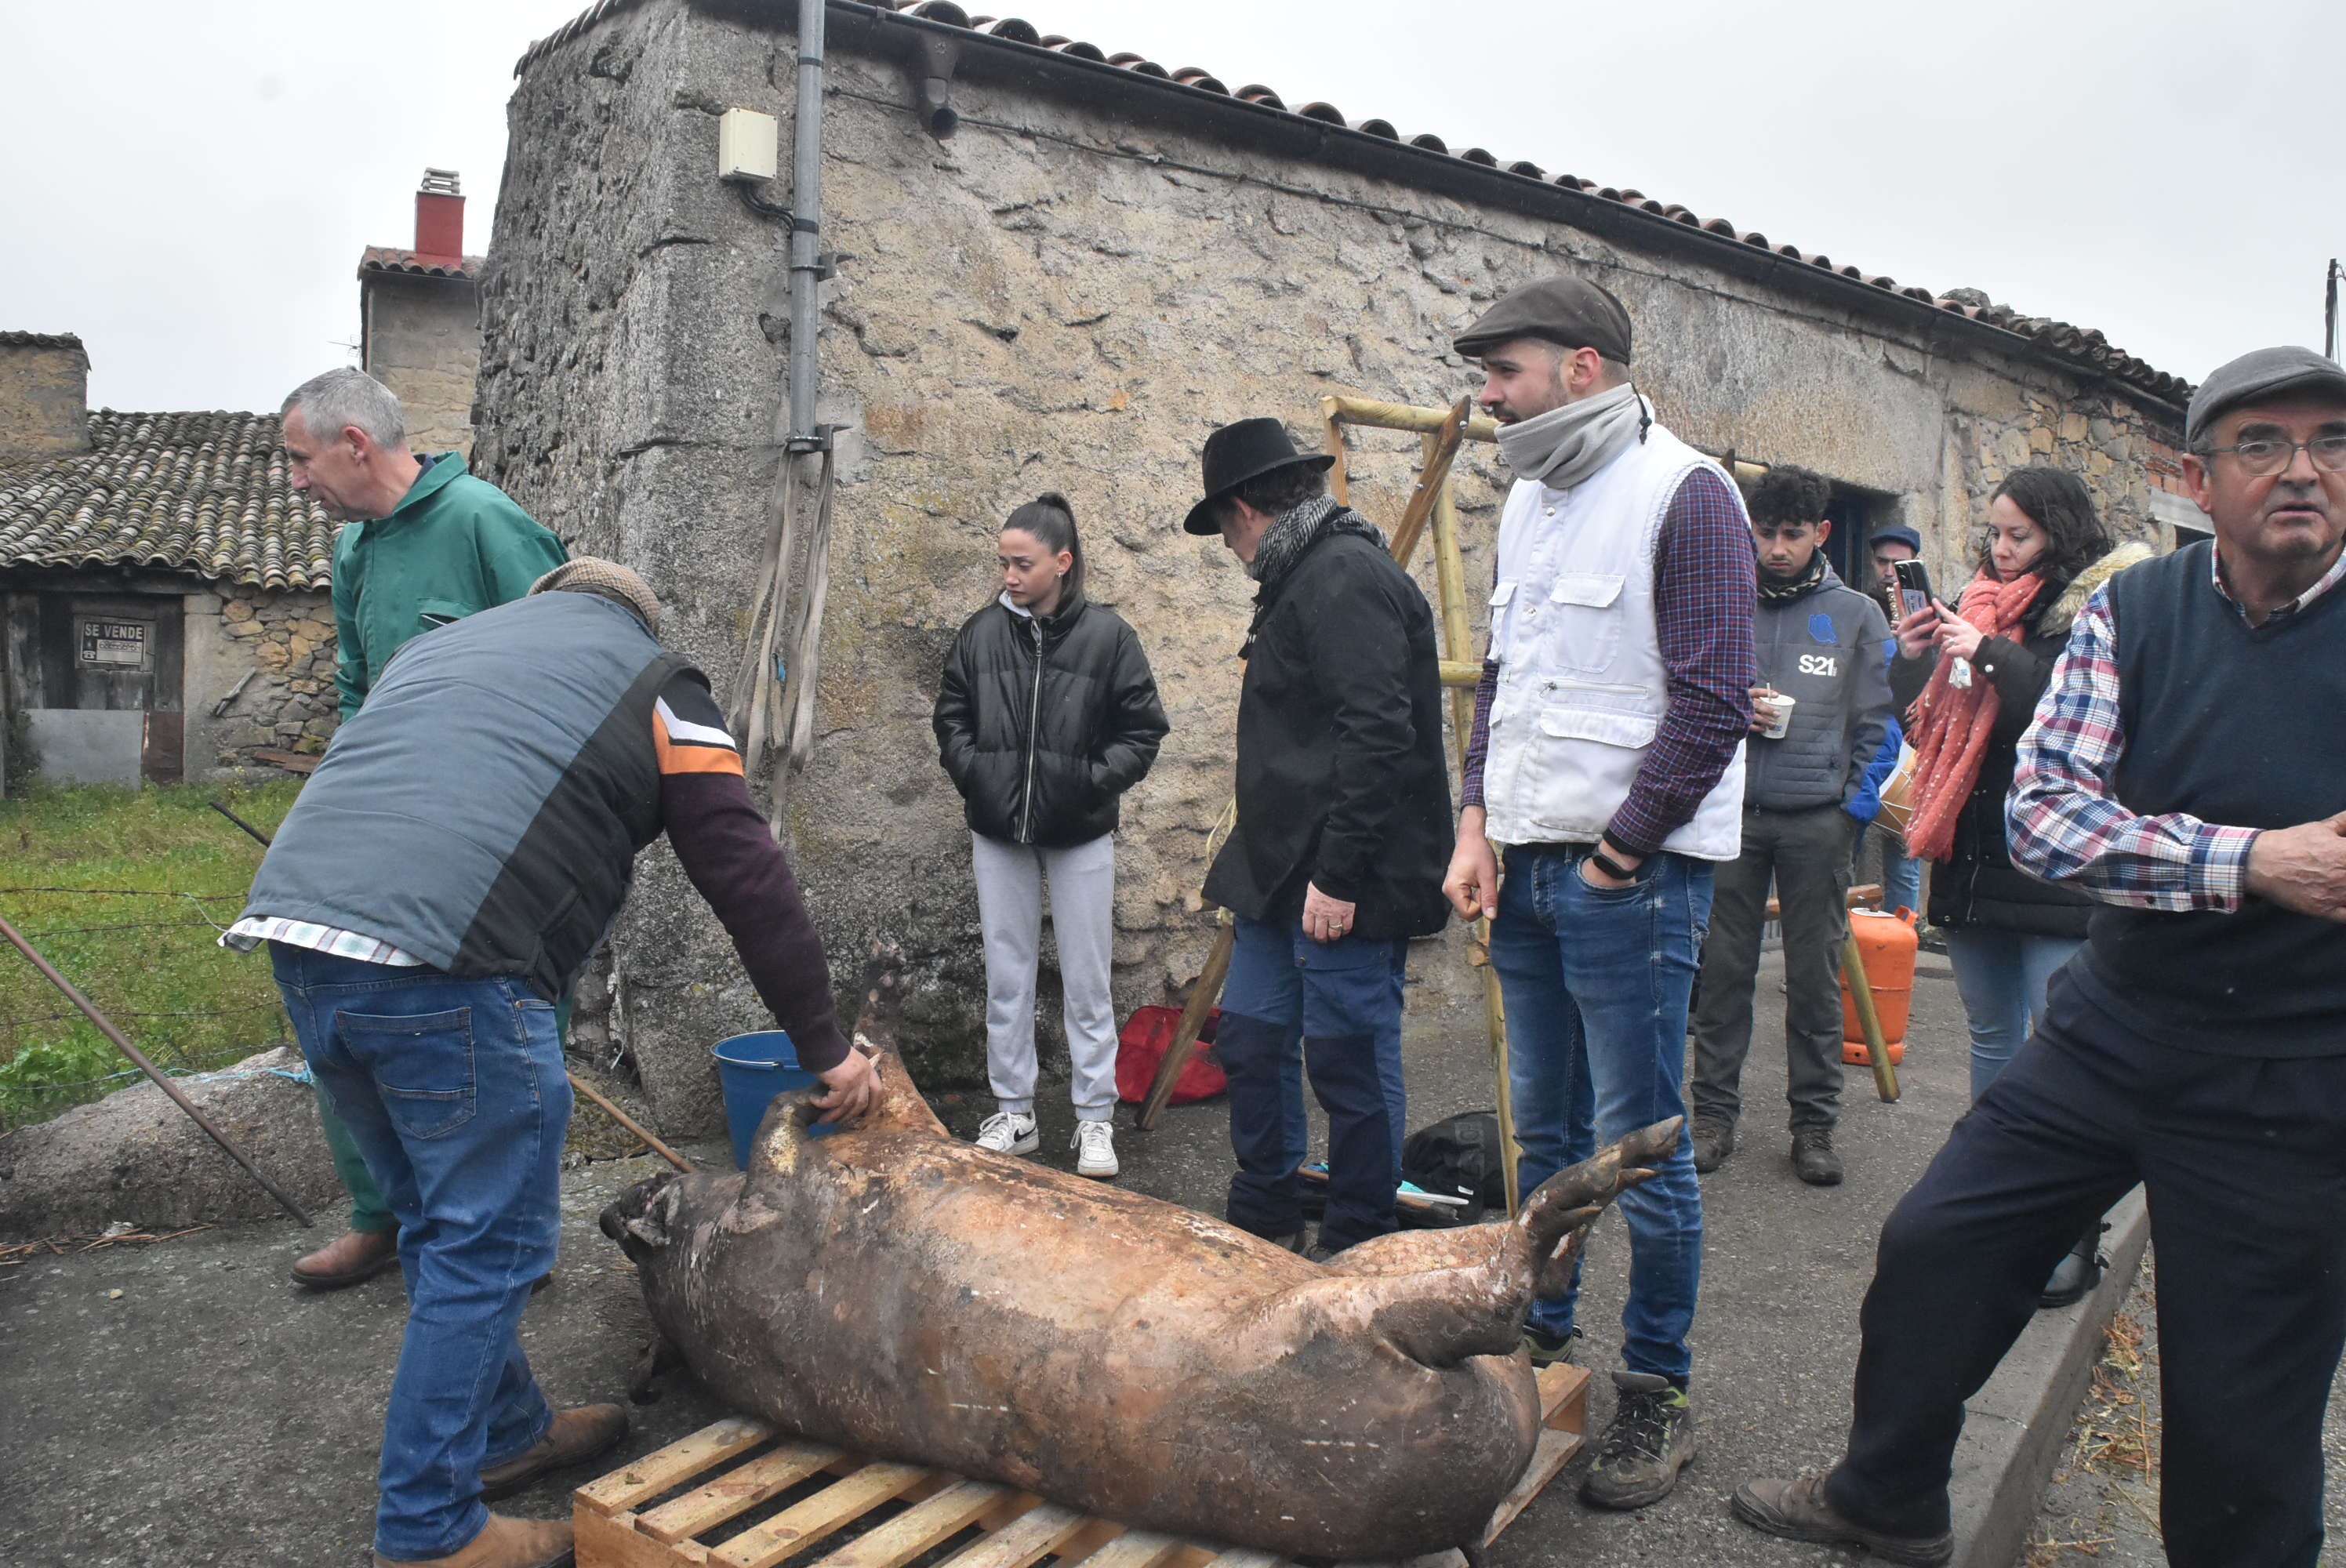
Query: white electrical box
749	145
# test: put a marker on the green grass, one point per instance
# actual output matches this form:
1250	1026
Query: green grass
124	891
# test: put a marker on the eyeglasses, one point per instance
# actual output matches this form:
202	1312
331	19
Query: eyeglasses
2264	457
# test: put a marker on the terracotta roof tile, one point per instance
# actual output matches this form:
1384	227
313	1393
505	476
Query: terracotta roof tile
202	492
39	340
2079	345
407	263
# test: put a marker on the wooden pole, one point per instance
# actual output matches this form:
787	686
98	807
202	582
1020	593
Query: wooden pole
1458	642
1340	483
1861	995
1202	997
620	1116
1441	449
1402	416
138	1060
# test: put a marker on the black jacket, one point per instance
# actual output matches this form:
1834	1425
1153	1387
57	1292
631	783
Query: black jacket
1340	777
1042	724
1978	885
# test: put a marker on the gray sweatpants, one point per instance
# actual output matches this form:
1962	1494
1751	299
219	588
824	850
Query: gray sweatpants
1010	879
1806	855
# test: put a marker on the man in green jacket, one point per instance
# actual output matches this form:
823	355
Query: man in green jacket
427	544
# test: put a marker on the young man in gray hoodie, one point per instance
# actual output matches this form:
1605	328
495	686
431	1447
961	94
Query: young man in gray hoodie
1821	646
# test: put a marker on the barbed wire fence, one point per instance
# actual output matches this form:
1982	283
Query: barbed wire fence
28	1095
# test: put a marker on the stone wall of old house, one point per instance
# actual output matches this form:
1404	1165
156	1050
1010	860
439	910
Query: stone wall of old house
285	641
423	342
1073	304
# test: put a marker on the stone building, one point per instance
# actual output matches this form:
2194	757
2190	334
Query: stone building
420	319
1103	262
164	609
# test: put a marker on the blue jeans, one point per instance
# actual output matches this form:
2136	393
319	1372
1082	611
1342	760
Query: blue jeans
1291	1002
2001	976
456	1094
1902	874
1595	985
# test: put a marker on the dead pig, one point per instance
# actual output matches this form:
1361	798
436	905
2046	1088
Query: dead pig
894	1292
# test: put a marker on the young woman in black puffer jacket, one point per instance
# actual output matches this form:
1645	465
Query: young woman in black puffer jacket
1046	714
2007	931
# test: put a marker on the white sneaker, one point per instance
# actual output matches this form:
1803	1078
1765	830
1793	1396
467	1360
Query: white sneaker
1095	1149
1008	1132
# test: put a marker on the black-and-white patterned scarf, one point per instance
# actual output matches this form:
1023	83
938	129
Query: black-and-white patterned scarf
1297	529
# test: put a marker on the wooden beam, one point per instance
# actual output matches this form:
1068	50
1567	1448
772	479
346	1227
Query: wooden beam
1441	449
1402	416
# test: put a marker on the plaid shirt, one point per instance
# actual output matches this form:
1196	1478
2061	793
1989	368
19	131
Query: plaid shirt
2062	819
1703	569
253	929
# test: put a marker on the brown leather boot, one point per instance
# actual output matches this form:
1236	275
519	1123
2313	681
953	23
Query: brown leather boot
576	1435
351	1258
504	1542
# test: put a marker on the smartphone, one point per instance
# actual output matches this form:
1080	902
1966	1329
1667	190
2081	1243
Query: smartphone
1913	584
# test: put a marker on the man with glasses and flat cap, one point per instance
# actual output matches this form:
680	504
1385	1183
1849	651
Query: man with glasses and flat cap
2187	767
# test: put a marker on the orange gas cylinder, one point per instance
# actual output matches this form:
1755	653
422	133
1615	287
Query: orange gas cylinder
1887	943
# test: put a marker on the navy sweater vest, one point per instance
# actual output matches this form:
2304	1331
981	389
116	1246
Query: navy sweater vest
2237	726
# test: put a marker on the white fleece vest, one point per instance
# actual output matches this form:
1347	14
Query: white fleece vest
1582	686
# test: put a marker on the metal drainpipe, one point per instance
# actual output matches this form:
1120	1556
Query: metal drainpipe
807	265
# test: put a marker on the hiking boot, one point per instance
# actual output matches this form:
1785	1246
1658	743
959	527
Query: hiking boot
1797	1511
2079	1270
1814	1160
1547	1350
1651	1441
1008	1132
1095	1147
503	1543
351	1258
1321	1252
1714	1140
576	1435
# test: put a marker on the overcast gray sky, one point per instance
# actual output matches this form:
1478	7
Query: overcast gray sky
188	186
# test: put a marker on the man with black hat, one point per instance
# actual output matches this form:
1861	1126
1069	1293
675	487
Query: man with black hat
1343	819
1607	759
2188	768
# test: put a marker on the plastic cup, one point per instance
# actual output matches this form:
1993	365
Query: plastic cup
1781	706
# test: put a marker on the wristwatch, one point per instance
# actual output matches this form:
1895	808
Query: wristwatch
1610	866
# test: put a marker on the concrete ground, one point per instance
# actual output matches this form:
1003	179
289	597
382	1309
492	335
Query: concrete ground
178	1403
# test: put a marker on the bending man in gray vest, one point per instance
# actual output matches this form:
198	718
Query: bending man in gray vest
1606	758
444	875
2188	768
1823	653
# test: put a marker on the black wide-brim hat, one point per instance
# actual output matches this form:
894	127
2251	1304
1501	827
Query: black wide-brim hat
1237	453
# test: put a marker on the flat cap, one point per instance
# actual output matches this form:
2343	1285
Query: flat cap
605	580
1572	312
2253	377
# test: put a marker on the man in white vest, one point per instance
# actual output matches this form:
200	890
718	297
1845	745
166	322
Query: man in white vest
1606	762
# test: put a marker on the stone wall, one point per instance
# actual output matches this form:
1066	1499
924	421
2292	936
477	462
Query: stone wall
1073	305
287	640
423	342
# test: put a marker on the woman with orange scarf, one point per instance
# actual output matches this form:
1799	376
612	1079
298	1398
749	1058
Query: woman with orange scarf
2047	551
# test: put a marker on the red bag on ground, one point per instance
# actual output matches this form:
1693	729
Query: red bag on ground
1142	1045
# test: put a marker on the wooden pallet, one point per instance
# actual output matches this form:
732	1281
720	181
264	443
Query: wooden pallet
737	1494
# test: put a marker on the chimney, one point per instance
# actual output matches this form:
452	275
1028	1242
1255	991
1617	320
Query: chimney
44	395
439	217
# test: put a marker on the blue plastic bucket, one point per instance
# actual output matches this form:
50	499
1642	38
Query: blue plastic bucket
754	1068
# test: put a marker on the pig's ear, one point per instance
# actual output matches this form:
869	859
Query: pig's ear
649	1230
